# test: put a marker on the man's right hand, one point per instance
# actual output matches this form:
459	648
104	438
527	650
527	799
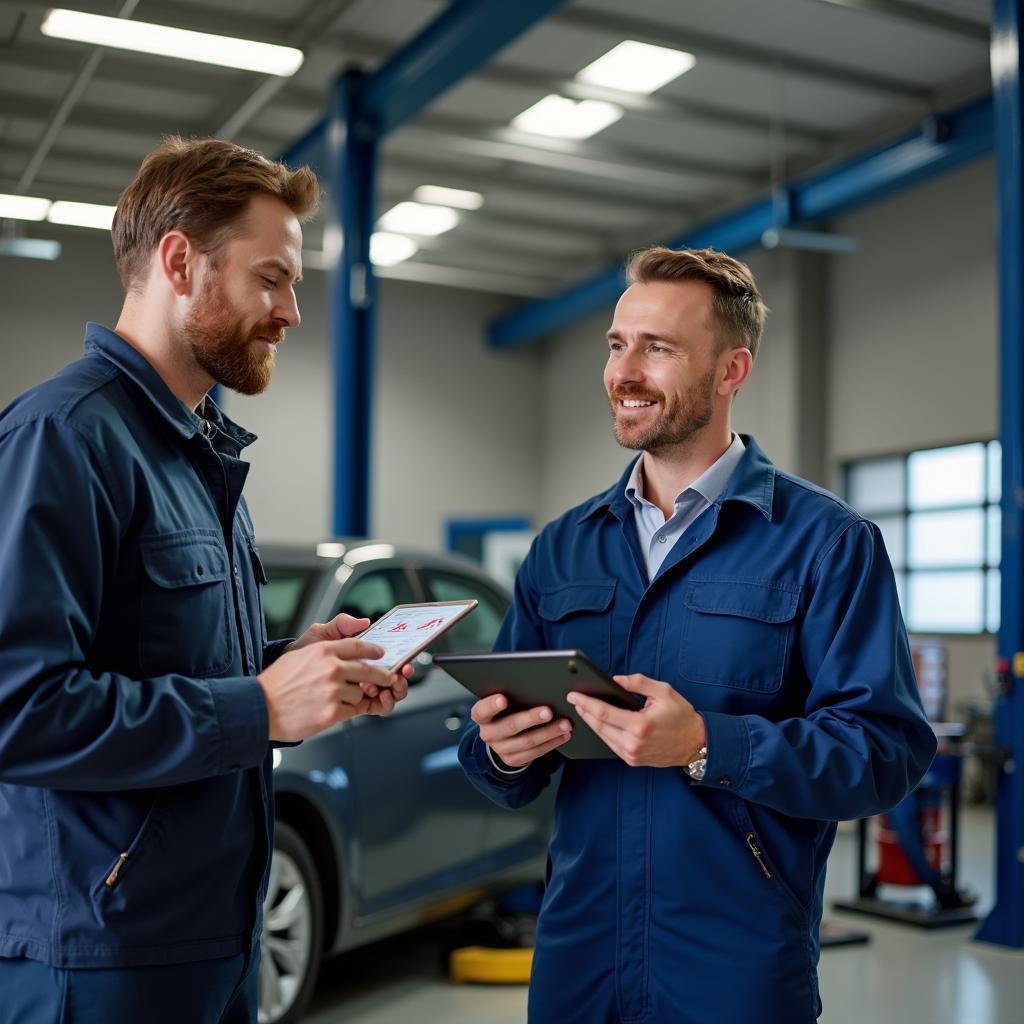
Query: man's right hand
312	688
520	738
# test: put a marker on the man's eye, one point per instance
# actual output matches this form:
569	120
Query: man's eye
269	282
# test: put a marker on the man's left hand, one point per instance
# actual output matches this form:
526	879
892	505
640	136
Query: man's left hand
376	701
666	732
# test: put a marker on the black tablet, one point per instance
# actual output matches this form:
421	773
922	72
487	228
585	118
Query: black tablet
531	679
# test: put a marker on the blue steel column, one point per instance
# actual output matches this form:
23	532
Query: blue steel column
1005	924
352	144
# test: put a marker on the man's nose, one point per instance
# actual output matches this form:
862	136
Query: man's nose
288	311
626	369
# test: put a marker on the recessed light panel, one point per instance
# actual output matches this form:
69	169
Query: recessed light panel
637	67
563	118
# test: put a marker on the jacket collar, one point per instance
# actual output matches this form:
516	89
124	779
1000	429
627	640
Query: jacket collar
752	482
134	365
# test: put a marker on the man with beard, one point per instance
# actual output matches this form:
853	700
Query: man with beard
757	617
139	695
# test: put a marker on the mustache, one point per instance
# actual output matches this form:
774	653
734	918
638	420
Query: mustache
271	334
617	394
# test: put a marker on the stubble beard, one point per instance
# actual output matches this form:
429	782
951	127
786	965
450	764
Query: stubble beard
233	356
682	420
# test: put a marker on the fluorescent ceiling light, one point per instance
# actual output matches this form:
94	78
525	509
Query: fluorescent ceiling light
460	198
82	215
567	119
23	207
126	34
387	249
419	219
30	248
637	67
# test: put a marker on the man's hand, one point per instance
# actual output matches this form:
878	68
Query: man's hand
319	683
338	628
665	732
520	738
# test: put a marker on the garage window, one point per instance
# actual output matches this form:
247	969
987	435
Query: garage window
938	510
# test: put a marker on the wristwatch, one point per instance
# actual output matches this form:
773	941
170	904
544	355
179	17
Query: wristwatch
696	769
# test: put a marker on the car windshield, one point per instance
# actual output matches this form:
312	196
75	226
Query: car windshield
283	597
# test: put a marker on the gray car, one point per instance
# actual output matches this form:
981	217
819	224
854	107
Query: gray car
377	828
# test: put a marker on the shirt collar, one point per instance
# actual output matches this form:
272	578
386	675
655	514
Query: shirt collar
134	365
752	481
709	485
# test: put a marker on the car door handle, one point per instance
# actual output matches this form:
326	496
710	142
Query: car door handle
454	721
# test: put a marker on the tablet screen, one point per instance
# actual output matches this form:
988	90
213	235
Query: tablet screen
410	628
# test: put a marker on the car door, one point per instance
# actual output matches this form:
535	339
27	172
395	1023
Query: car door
418	829
509	838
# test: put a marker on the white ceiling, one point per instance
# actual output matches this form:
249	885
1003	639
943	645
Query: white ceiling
794	83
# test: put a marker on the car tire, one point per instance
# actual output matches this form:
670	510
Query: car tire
293	921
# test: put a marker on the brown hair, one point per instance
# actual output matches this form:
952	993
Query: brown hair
201	187
735	301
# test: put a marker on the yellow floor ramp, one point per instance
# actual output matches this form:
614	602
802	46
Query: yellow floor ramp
490	966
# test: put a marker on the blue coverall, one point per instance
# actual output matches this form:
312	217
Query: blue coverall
776	615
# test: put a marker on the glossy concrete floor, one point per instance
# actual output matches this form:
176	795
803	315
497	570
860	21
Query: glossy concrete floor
902	976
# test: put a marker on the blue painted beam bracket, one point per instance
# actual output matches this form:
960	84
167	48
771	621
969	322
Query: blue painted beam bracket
1005	924
352	146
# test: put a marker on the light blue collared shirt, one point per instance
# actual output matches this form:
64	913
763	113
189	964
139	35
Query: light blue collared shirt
657	534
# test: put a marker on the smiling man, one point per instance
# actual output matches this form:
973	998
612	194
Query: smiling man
139	697
757	616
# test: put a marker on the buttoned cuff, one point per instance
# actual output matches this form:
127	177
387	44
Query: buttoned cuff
243	721
493	758
728	743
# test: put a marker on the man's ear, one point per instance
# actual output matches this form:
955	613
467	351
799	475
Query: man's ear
176	259
738	363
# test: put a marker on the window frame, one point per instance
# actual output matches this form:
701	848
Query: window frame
903	512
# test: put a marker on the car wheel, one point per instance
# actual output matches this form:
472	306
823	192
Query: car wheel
292	940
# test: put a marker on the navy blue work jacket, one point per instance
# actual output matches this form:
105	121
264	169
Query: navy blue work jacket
135	796
775	614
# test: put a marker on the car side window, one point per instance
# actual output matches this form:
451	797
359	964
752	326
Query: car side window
374	593
478	630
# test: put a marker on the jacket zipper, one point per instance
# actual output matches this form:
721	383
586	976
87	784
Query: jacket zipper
758	855
115	874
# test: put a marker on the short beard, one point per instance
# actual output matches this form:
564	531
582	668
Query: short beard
680	422
231	356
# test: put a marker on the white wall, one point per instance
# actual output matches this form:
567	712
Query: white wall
914	320
456	429
45	307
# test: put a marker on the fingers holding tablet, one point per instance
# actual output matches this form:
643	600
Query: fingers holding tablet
522	736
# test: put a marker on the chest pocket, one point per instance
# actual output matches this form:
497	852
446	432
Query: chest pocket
576	616
737	633
185	623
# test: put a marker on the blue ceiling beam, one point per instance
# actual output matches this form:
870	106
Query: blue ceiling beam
460	40
455	44
944	142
